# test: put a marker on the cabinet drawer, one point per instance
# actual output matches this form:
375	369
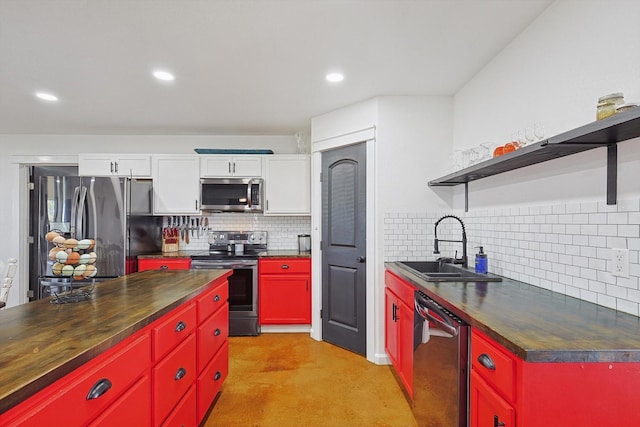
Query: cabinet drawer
210	381
172	377
164	264
185	413
502	375
173	330
211	334
212	300
401	288
285	265
65	402
133	408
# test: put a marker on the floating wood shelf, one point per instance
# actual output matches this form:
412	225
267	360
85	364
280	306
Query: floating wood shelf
602	133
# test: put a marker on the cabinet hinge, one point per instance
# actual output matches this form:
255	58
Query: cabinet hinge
321	313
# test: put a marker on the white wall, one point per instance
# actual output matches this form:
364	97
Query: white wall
553	73
55	148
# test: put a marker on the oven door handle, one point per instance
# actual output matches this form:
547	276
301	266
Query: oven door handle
443	322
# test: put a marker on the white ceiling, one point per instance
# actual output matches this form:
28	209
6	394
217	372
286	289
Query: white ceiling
241	66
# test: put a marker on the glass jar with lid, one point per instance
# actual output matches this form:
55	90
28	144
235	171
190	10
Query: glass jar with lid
607	105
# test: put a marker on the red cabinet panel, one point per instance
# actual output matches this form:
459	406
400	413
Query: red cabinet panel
212	300
211	379
185	413
211	334
284	291
172	377
172	330
399	338
486	407
105	377
133	408
503	375
164	264
285	266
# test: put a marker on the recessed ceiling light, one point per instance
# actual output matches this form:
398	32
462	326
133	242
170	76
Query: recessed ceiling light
334	77
46	96
163	75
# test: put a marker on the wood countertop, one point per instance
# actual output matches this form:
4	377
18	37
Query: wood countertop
41	342
276	253
536	324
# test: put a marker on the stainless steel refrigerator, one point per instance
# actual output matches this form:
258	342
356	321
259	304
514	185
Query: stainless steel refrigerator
114	211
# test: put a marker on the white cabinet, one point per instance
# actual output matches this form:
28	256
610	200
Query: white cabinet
212	166
176	184
287	182
110	164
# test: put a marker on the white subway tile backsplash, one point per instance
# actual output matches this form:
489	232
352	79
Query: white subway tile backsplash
563	247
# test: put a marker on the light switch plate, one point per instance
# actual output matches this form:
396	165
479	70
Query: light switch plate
620	262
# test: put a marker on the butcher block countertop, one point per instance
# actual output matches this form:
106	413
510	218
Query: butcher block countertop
536	324
276	253
41	342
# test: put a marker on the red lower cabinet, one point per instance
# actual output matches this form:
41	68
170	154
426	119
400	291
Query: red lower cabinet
184	413
284	291
172	377
167	374
487	409
133	408
211	379
507	391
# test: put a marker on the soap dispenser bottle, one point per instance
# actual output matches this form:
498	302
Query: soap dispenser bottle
481	261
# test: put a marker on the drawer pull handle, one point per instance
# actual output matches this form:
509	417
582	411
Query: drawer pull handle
284	266
217	332
180	374
486	361
164	267
217	376
216	298
98	389
181	326
497	422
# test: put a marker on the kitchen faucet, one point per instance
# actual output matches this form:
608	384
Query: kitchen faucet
436	250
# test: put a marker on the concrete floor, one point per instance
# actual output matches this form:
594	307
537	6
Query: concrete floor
292	380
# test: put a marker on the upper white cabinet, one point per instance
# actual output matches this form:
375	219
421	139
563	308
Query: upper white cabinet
214	166
176	184
287	180
110	164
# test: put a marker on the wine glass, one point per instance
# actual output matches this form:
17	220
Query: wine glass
538	130
529	135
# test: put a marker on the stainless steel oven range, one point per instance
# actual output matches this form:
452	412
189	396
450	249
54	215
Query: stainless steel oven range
237	250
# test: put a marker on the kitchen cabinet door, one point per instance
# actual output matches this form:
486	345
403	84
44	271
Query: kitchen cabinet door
132	408
132	165
399	338
284	291
226	166
176	185
487	409
287	185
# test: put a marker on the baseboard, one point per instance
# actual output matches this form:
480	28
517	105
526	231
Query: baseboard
381	359
266	329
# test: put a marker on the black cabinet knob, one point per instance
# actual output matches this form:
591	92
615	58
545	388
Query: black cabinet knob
98	389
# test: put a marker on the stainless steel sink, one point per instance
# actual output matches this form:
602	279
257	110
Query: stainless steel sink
435	271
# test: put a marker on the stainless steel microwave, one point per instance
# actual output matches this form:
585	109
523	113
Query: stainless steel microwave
231	194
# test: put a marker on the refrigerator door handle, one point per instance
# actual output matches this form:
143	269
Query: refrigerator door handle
74	211
80	216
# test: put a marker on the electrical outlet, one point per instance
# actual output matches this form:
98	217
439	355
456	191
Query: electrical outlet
620	262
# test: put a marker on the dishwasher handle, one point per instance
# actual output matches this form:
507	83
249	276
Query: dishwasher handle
442	322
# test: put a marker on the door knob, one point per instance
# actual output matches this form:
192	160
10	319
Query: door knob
362	259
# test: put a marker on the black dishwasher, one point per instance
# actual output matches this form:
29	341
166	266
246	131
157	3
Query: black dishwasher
440	366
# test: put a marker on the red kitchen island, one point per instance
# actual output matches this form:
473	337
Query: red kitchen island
148	348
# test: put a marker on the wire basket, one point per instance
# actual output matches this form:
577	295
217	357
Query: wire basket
69	291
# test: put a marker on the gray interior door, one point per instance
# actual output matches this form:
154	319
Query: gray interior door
344	247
